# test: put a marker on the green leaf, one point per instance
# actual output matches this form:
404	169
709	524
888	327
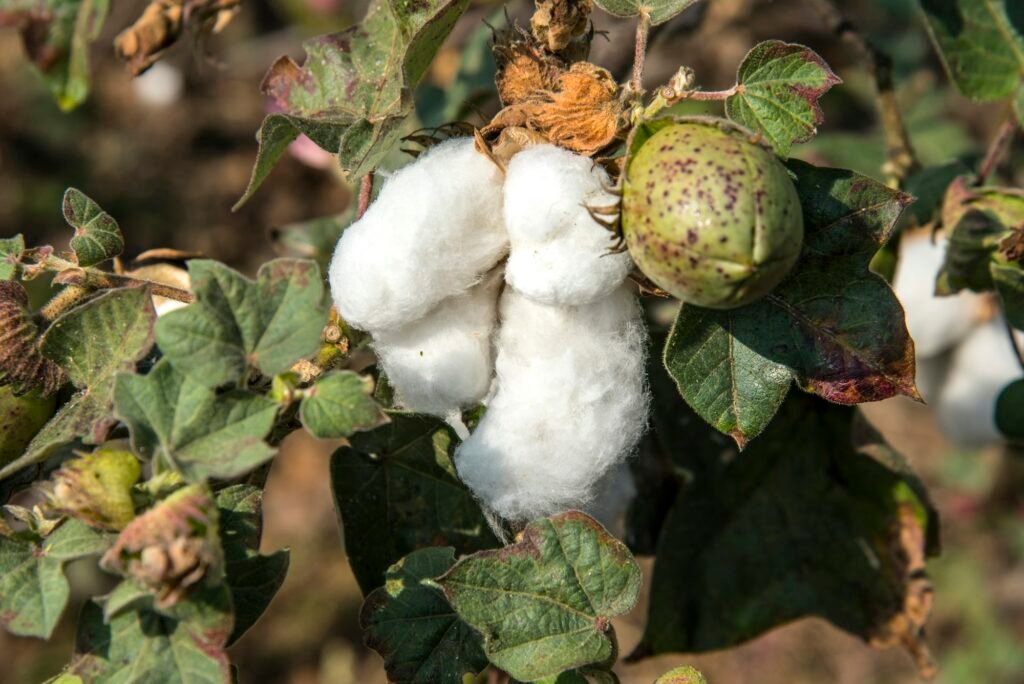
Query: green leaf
980	218
682	675
236	323
545	604
253	578
928	187
981	43
197	431
130	594
659	11
779	85
396	491
832	326
91	342
1009	283
146	647
1010	411
340	403
97	237
56	35
818	517
33	589
410	623
11	250
355	89
314	239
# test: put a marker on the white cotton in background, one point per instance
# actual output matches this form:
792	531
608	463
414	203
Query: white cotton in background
559	254
444	361
433	231
981	367
570	404
159	86
935	323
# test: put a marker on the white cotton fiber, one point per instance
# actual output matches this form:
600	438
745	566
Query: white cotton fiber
935	323
559	254
443	361
982	366
570	404
432	232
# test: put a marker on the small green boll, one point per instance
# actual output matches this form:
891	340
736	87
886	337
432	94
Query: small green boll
20	419
709	215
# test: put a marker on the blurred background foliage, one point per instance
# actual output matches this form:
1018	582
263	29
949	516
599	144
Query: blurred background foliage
170	152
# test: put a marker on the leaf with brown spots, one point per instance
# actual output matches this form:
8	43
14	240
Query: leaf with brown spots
831	325
354	90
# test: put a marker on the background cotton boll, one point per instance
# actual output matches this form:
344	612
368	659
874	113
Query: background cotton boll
982	366
571	403
559	254
433	230
443	361
935	323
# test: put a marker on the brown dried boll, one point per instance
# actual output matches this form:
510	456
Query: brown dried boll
709	215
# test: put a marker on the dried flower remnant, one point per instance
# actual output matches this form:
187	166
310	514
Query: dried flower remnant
556	23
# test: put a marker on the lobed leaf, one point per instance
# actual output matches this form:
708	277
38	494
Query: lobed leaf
236	323
340	403
981	43
832	326
732	563
545	604
200	433
396	491
97	237
779	85
354	91
659	11
410	623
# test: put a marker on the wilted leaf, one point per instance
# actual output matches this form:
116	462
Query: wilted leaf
236	323
11	250
682	675
545	604
33	589
779	87
97	237
1010	411
340	403
660	11
981	43
355	89
818	517
92	343
56	35
396	491
253	578
832	326
198	432
410	623
145	646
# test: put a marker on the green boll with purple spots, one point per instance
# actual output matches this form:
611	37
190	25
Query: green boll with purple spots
710	216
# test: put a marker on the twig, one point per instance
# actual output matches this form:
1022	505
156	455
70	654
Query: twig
365	193
998	147
643	28
1013	341
901	160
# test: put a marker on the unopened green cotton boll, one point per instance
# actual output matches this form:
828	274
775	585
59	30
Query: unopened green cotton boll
433	232
709	215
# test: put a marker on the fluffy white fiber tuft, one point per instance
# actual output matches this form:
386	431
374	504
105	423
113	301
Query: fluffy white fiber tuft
444	361
935	323
982	366
559	254
433	231
570	404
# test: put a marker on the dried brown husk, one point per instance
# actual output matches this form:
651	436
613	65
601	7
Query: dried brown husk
556	23
22	364
162	23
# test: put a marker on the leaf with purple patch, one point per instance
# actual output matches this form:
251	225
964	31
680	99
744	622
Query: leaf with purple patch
778	87
97	237
832	326
354	91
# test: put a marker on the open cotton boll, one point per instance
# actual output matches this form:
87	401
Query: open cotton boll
559	254
935	323
570	404
433	231
982	366
443	361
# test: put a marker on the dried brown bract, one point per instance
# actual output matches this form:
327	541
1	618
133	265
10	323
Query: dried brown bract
162	23
556	23
525	68
22	364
